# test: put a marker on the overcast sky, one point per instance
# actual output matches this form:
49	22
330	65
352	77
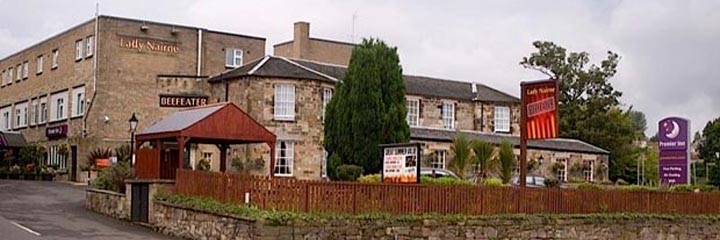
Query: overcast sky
670	49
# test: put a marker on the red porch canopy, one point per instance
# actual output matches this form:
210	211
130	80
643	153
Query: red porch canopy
222	124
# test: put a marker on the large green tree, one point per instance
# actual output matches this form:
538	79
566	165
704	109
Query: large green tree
368	107
708	147
589	106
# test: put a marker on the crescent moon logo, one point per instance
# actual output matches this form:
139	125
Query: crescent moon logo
675	130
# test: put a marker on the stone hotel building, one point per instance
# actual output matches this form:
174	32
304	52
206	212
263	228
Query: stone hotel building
86	82
75	91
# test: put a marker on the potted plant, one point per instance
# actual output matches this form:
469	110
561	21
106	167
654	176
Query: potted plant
29	172
47	173
14	172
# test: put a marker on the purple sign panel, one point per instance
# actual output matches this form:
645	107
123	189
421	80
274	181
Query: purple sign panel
673	142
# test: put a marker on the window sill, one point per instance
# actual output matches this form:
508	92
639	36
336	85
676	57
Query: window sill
20	128
57	120
283	175
38	73
54	67
87	57
284	119
78	59
75	117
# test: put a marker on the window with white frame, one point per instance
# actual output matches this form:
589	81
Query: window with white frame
55	55
56	156
58	110
18	74
327	95
78	50
5	120
284	159
78	101
448	115
26	69
284	102
39	63
89	46
21	114
561	172
233	57
502	119
35	112
10	76
588	167
413	111
439	160
3	78
17	118
43	110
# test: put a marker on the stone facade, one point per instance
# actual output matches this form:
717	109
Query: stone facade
304	47
193	224
136	61
108	203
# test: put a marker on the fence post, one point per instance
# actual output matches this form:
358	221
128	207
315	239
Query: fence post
354	200
306	208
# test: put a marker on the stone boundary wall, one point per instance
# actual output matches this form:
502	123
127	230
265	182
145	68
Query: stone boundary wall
193	224
188	223
108	203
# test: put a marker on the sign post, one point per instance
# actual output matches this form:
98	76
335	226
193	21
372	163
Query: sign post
674	146
538	116
401	162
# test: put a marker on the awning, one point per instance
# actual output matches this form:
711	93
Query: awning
12	140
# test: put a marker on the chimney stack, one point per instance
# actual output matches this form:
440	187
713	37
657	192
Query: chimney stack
301	38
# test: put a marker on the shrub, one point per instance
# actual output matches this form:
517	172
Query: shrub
348	172
589	186
636	188
203	165
552	183
693	188
372	178
444	181
492	182
507	161
113	178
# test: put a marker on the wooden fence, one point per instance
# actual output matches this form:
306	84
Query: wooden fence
357	198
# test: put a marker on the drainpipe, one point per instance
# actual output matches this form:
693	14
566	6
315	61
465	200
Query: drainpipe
199	51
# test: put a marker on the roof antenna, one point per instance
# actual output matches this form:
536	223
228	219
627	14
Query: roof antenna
352	34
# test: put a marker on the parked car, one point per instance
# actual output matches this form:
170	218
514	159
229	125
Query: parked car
530	181
437	172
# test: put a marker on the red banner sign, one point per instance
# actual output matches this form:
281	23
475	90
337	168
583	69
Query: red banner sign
540	103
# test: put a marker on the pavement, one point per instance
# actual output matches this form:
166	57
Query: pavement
54	210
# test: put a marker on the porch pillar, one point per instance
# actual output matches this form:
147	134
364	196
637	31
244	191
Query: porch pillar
181	152
223	156
272	158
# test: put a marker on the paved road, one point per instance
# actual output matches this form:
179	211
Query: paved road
52	210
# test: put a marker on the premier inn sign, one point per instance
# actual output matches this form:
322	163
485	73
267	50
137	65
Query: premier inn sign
181	101
150	45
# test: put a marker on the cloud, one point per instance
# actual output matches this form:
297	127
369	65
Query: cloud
668	48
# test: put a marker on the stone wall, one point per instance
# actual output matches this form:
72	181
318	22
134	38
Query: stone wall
108	203
192	224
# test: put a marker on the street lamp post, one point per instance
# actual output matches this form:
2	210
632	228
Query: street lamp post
133	125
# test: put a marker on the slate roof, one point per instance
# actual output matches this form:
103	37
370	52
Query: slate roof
181	119
12	139
558	144
272	66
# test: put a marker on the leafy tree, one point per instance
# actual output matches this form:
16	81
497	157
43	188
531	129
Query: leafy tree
639	122
589	106
483	157
709	145
461	162
507	161
652	175
368	108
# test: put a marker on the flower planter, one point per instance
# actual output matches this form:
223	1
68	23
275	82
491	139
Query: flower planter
3	175
14	176
29	176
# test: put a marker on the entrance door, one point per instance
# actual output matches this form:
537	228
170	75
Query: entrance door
73	163
168	163
139	202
